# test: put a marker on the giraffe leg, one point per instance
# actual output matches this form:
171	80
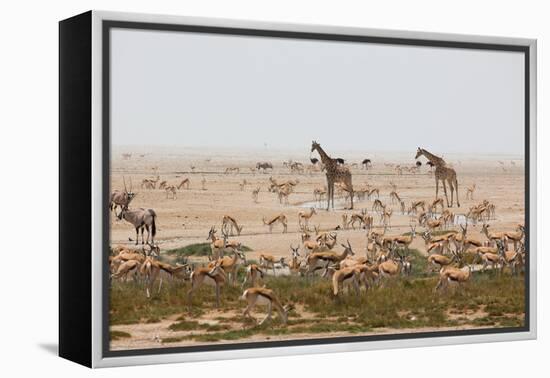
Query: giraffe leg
456	187
451	186
445	191
329	195
436	187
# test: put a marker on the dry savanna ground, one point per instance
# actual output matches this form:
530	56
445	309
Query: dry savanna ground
407	304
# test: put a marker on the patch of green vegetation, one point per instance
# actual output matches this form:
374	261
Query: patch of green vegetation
168	340
190	325
405	302
198	249
116	335
152	320
185	325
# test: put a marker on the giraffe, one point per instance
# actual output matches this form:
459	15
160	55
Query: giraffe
443	174
335	173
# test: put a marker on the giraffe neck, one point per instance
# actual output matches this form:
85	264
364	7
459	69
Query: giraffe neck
324	157
434	159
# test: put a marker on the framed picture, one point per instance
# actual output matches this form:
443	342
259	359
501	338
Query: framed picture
232	189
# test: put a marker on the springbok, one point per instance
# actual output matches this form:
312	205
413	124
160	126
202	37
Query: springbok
184	183
214	276
268	261
449	275
171	191
305	217
252	273
470	191
281	218
321	260
263	296
140	219
230	222
255	194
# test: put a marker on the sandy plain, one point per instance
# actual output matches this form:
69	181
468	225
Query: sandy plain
187	219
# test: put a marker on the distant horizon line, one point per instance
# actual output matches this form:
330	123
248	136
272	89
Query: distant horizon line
297	149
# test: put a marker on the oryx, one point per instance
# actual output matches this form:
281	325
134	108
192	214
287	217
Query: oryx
141	218
121	198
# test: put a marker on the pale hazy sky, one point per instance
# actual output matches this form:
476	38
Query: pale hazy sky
190	89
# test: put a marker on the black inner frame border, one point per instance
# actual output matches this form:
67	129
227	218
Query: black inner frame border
108	25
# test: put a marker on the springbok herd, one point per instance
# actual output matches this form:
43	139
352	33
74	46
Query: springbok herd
286	207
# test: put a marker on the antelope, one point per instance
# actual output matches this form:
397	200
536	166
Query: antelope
125	268
242	185
255	194
230	265
121	198
203	183
151	269
263	296
510	258
345	221
318	194
417	205
403	208
171	189
378	206
264	166
283	194
373	192
366	163
487	257
140	219
217	246
214	276
385	217
345	276
476	213
447	217
361	194
433	224
377	234
444	239
406	240
315	258
296	167
154	181
163	184
305	217
453	275
184	183
470	191
440	261
305	235
321	244
435	203
268	261
492	236
295	264
358	218
463	241
394	197
229	222
234	170
391	268
252	273
515	236
281	218
126	156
